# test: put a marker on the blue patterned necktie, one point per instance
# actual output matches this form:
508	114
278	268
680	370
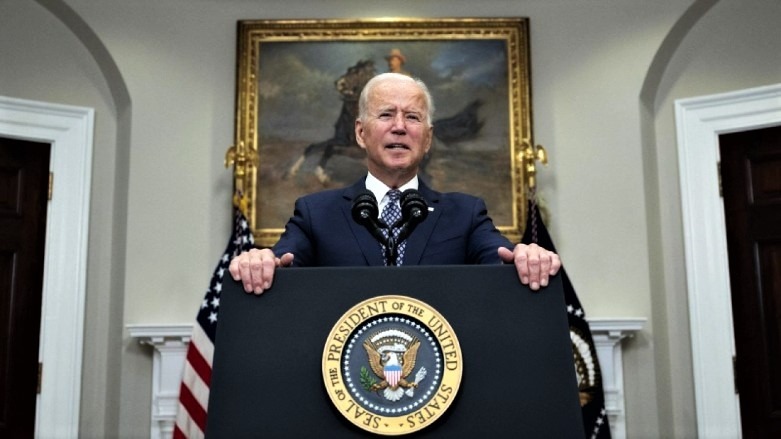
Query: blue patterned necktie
390	214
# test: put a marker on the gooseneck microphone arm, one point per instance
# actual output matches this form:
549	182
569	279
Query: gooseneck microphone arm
413	211
365	211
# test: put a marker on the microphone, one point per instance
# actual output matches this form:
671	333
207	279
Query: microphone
365	211
413	211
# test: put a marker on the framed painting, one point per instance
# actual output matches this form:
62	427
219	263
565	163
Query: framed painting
297	87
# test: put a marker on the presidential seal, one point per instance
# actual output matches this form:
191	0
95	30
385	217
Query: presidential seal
392	365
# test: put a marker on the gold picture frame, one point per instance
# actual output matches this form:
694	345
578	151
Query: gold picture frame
296	83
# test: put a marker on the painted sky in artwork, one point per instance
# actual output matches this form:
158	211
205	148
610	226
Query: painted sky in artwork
298	100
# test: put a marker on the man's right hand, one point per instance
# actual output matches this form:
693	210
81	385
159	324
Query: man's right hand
255	268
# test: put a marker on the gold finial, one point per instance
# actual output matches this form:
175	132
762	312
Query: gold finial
242	159
241	202
532	154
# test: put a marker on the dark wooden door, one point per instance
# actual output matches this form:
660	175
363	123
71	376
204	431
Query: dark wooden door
24	176
751	181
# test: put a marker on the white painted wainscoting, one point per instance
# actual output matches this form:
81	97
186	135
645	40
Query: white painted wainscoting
170	349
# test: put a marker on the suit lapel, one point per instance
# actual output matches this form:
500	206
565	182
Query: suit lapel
419	237
369	246
416	242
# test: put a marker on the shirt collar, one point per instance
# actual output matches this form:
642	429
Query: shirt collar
379	189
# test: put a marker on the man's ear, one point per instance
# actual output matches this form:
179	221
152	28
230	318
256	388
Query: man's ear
359	133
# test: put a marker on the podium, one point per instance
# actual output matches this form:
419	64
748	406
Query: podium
518	377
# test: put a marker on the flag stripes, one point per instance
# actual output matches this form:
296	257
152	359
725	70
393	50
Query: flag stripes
195	410
196	385
199	365
203	342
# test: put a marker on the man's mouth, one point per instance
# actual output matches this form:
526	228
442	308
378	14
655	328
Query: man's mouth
396	146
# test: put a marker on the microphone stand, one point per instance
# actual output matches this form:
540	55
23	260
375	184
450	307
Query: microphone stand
414	210
365	211
391	249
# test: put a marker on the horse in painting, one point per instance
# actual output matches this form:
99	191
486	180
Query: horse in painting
349	87
459	127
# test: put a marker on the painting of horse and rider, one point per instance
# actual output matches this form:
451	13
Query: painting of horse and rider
308	102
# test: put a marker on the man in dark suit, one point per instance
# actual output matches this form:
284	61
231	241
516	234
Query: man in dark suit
394	128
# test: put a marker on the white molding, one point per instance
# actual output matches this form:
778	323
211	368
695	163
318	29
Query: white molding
70	131
618	327
607	334
699	122
170	349
159	334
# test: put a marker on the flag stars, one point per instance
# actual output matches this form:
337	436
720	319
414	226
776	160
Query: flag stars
204	304
213	317
218	288
216	302
576	312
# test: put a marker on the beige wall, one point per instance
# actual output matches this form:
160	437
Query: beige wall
604	74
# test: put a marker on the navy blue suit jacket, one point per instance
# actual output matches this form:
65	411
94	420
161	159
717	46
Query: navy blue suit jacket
456	231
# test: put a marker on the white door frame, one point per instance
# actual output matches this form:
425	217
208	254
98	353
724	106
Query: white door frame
70	131
699	122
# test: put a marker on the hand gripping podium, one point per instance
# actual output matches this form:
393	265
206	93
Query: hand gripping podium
516	371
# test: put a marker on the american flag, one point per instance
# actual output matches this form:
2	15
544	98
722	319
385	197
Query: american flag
194	391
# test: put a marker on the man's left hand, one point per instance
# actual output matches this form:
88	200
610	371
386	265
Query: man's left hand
535	265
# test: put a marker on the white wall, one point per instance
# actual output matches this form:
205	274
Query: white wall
161	78
733	47
44	61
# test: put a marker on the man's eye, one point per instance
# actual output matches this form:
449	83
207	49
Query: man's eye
414	117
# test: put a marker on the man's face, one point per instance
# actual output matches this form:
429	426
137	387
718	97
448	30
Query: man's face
394	64
395	133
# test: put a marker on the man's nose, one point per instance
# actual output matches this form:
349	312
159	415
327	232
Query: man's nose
399	123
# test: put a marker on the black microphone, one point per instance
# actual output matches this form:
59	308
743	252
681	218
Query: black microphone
365	211
413	211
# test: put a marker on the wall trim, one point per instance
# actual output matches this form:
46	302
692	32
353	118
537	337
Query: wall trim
69	129
699	122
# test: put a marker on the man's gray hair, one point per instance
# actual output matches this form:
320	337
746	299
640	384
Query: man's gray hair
363	100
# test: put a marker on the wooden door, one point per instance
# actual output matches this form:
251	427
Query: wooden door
751	182
24	176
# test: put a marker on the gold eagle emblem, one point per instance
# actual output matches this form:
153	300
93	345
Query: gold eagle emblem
392	356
